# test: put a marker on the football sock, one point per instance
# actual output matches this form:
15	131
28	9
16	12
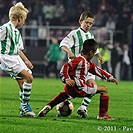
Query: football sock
26	93
86	101
62	96
20	96
103	109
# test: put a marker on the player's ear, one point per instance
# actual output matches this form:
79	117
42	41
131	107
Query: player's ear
88	53
92	52
80	21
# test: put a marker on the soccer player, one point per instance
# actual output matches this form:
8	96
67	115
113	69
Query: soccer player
72	44
13	60
73	74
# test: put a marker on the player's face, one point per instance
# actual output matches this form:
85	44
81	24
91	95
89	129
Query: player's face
86	24
21	21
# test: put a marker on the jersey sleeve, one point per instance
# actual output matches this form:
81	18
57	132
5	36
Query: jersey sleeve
76	70
97	51
2	33
64	72
68	69
67	41
94	69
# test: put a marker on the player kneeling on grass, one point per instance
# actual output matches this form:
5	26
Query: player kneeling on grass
73	74
13	60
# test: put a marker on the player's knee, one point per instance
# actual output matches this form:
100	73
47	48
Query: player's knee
102	89
29	78
105	89
91	81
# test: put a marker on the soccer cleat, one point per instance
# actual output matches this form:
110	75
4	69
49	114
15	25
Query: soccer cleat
25	110
82	113
44	111
105	117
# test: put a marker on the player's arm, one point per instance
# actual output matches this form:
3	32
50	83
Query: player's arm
66	45
70	82
69	52
94	69
64	74
25	59
99	56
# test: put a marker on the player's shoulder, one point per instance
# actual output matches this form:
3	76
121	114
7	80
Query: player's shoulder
74	31
91	33
4	26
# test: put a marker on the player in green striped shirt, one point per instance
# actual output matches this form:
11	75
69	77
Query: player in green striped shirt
13	60
72	44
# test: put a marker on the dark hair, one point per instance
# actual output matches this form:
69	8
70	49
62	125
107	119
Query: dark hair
86	14
88	45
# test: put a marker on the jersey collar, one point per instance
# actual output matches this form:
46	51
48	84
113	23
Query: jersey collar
12	26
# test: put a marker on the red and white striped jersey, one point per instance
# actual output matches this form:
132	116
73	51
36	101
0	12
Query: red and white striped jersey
78	68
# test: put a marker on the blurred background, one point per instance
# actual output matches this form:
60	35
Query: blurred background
49	19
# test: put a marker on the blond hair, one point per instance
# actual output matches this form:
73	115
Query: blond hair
17	11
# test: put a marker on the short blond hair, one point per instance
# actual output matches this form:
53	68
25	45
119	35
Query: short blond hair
17	11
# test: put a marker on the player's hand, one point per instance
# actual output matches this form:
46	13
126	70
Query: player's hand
114	80
101	60
70	82
29	64
71	55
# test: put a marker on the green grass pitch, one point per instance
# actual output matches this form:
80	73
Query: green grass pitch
120	106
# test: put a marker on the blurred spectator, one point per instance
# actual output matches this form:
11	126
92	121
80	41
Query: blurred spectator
2	6
34	33
105	53
99	18
4	19
48	12
110	24
103	5
70	9
53	57
58	13
126	63
36	12
116	54
44	12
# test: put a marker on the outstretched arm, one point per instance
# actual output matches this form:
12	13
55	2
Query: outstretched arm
94	69
114	80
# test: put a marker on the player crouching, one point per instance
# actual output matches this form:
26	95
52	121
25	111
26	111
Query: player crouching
73	74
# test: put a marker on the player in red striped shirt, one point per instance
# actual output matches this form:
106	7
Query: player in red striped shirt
73	74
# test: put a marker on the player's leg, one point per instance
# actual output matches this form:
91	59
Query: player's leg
16	68
20	83
82	110
104	102
25	85
62	96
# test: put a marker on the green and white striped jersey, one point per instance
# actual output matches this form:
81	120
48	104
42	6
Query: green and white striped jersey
74	40
10	39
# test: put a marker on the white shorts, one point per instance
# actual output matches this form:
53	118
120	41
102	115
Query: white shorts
90	76
13	65
90	89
